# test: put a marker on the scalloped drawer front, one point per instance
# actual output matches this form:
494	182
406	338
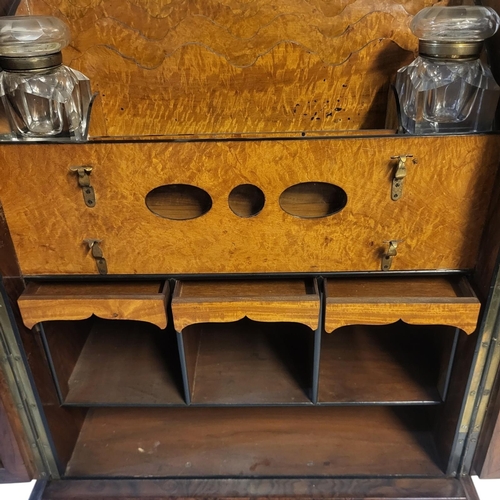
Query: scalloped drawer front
248	206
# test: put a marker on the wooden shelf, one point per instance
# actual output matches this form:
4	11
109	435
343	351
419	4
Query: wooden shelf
249	363
261	300
398	363
120	363
421	301
59	301
265	442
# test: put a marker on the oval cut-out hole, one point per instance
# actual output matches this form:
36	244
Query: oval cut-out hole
179	201
246	200
313	200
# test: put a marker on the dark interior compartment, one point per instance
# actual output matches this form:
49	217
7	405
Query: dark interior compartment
396	363
106	362
249	362
265	442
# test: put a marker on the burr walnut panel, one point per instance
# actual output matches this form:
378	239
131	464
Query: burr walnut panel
224	66
438	220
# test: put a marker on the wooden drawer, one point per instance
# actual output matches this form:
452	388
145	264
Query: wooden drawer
263	228
139	301
416	301
227	301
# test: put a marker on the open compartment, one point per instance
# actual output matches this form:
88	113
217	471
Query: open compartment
397	363
103	362
249	362
392	340
126	361
248	342
256	442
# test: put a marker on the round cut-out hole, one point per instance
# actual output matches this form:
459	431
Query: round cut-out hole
179	201
246	200
313	200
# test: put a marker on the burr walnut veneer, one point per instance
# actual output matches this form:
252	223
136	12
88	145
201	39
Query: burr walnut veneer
438	220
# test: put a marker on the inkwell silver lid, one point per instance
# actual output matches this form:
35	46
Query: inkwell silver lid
32	43
454	33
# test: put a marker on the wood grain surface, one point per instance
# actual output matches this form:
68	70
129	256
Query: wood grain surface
420	301
140	301
227	301
490	246
225	67
439	218
257	489
265	442
218	66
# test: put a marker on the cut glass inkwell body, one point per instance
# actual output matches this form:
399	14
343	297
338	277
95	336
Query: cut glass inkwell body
448	89
42	98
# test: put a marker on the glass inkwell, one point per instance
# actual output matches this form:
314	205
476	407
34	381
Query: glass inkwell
448	89
42	98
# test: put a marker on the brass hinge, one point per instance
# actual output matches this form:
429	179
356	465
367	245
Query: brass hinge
98	255
399	176
389	255
84	182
